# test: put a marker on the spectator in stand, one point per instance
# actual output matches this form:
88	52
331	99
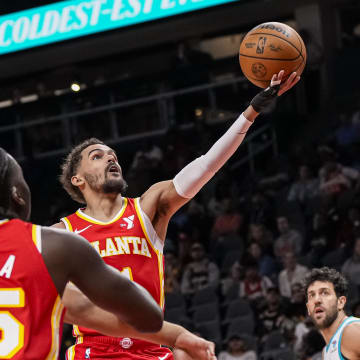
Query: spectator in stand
312	345
232	279
254	286
302	328
225	230
267	264
347	132
305	188
272	316
172	273
351	267
150	153
349	229
260	210
292	273
289	239
228	222
335	178
200	272
237	349
296	308
258	233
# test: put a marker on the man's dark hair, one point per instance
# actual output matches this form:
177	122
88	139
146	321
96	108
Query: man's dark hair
70	166
5	185
327	275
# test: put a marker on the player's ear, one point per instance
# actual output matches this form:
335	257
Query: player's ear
341	302
308	310
17	197
77	180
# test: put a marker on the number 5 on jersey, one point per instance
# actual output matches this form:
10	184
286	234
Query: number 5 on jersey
12	331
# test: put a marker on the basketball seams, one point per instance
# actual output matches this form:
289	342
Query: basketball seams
284	79
301	44
277	36
263	58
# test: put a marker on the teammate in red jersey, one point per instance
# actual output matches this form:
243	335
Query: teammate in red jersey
35	265
129	233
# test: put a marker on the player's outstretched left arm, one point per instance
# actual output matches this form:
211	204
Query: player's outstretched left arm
81	311
350	341
169	196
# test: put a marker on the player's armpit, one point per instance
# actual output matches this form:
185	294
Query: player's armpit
349	342
161	199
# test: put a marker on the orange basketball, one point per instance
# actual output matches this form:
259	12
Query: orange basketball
269	48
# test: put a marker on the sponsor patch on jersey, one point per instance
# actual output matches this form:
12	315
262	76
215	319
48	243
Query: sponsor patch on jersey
126	343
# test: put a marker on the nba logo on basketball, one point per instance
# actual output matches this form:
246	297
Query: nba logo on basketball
261	45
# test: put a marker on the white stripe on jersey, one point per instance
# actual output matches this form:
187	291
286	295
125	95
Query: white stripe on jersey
157	243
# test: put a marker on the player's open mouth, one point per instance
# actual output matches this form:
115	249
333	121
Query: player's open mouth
114	169
319	310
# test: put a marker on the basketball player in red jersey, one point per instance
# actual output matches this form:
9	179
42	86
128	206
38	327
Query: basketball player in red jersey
129	233
35	265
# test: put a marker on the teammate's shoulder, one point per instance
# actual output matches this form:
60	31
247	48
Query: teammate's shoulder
62	237
19	223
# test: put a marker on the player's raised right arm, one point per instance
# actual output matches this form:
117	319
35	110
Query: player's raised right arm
169	196
69	257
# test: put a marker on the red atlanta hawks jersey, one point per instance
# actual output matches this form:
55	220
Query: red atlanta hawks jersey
30	307
129	243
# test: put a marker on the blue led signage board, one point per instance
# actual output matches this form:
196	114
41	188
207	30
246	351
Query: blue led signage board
71	19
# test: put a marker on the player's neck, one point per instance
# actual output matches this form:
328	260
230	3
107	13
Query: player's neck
103	207
330	331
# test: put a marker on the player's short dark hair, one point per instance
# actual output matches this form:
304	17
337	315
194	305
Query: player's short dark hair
326	274
4	183
70	166
6	178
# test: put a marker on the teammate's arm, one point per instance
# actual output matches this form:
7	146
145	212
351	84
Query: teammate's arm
169	196
81	311
69	257
59	225
350	341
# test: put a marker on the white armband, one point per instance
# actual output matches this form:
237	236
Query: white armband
195	175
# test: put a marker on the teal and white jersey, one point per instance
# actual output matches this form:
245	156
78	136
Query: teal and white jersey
332	351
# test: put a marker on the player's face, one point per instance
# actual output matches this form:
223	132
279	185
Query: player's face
101	170
323	305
